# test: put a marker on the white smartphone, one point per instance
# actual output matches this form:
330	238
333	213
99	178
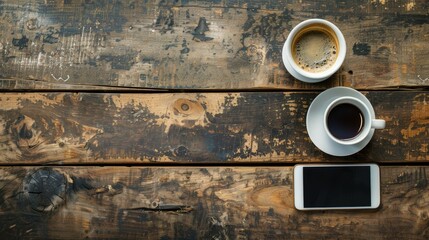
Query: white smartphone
336	186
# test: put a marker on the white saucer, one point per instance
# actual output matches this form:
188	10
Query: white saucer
315	127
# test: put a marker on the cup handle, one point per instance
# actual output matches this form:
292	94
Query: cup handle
378	123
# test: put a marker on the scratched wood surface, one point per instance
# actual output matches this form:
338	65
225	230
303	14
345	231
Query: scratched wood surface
211	44
196	203
69	128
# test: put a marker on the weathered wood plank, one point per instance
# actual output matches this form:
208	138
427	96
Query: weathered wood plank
196	203
193	128
20	84
204	44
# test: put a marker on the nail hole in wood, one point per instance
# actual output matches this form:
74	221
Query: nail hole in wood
184	107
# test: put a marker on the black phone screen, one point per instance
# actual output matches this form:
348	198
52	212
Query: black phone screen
343	186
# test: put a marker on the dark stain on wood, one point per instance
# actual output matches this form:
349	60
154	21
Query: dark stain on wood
100	15
200	30
185	49
249	22
21	43
52	36
81	184
271	27
165	21
124	62
218	230
406	20
361	49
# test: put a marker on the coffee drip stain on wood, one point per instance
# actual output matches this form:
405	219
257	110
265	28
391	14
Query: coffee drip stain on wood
250	202
101	43
193	127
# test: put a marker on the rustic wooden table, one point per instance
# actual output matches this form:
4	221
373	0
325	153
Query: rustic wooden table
177	119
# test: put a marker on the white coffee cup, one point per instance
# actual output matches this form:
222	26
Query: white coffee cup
306	54
348	120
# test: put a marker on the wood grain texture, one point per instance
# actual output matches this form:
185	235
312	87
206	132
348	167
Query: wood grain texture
208	44
196	203
17	85
56	128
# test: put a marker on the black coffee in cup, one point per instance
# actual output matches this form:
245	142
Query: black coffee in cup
345	121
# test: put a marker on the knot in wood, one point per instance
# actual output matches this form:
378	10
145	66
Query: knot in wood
188	109
25	133
181	151
184	107
44	190
154	204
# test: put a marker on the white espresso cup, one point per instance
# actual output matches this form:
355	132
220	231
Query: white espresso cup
348	120
314	50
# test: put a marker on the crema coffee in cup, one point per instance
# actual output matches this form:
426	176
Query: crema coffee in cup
314	50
